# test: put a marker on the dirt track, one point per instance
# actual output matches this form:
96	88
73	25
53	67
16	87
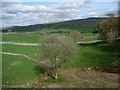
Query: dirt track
85	78
36	44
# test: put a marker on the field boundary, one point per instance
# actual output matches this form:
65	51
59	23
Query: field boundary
23	55
20	43
90	42
37	44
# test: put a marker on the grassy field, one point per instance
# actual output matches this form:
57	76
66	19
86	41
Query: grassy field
32	51
20	37
89	34
88	39
97	55
18	70
35	38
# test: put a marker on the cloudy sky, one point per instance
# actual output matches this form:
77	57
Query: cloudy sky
22	13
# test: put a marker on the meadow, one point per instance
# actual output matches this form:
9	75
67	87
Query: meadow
35	38
18	70
22	37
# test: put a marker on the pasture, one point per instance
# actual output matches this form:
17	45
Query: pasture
18	70
35	38
21	37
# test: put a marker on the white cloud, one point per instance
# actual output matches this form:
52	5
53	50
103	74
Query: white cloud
18	14
69	5
104	1
91	12
10	0
60	0
8	16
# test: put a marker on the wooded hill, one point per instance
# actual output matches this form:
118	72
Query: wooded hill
82	25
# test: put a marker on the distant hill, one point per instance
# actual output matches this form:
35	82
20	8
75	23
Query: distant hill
82	25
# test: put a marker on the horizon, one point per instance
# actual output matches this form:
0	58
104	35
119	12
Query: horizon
57	22
31	13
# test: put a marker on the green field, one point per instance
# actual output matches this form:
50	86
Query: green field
20	37
18	70
35	38
88	55
98	55
32	51
89	34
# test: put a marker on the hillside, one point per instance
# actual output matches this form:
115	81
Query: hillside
82	25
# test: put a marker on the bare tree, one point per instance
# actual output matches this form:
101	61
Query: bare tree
57	50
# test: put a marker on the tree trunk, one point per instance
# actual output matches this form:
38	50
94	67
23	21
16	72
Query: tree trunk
53	74
56	76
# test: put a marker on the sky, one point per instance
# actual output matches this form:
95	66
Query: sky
23	12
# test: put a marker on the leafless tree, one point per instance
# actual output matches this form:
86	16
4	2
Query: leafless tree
57	50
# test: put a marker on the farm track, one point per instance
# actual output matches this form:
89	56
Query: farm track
36	44
89	42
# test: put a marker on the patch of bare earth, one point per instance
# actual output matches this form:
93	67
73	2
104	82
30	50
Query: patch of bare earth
85	78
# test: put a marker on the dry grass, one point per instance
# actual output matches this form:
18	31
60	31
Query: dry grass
85	78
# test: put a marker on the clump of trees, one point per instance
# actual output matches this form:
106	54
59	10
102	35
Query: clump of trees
75	35
56	51
108	29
